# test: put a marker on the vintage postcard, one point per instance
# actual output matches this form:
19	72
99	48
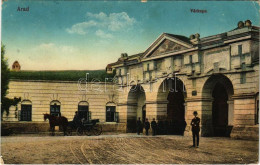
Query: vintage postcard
129	82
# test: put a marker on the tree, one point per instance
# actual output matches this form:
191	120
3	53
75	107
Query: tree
5	76
5	73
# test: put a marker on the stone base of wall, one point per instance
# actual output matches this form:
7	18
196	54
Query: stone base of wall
37	127
24	127
114	127
245	132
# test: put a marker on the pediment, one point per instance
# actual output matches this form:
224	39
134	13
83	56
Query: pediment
166	44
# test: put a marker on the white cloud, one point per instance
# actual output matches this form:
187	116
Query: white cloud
102	34
103	22
81	28
119	21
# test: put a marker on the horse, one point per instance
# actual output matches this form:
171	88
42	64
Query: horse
57	121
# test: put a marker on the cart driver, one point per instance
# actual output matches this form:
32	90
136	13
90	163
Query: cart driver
76	119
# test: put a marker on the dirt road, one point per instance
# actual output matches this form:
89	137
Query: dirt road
126	149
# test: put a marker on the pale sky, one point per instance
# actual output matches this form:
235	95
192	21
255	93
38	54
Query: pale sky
87	35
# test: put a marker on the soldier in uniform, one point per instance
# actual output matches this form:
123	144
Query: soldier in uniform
195	123
154	126
139	126
146	126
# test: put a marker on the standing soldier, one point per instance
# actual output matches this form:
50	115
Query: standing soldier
146	126
139	126
195	123
154	126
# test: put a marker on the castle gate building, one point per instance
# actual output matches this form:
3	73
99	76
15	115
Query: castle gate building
217	76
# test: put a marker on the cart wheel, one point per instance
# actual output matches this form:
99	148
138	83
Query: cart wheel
88	132
69	131
79	131
97	130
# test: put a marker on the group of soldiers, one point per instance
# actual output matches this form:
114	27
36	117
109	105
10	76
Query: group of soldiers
146	126
195	124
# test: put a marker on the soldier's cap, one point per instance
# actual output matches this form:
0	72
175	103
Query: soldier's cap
195	112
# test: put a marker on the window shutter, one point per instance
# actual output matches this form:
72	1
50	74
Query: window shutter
116	119
19	115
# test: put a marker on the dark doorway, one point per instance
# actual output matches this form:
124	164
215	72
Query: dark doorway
176	113
220	111
135	106
83	111
26	112
55	110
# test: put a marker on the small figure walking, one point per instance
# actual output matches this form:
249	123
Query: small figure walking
139	126
146	126
154	126
195	123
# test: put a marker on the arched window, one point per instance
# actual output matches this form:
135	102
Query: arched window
55	108
83	110
26	111
111	114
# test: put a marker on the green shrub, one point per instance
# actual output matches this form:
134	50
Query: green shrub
70	75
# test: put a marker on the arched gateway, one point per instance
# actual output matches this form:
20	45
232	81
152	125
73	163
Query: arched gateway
218	89
135	106
172	91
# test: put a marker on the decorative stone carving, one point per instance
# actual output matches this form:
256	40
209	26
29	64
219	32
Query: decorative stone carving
167	46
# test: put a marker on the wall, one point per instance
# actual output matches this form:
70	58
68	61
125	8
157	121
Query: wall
41	93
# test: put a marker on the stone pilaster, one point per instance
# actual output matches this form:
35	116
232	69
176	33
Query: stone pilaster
244	126
204	108
156	109
122	109
244	109
230	112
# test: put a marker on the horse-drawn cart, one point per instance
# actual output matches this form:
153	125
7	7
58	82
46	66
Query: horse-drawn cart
87	127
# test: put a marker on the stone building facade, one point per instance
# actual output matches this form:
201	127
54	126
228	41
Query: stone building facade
217	76
99	100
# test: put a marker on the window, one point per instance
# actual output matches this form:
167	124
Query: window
119	72
111	114
55	108
148	68
239	50
190	59
83	110
26	112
